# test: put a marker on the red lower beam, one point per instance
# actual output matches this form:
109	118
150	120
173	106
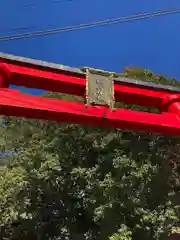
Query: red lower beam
14	104
59	82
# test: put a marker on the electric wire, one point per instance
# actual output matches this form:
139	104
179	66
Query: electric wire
130	18
24	28
35	4
31	26
32	5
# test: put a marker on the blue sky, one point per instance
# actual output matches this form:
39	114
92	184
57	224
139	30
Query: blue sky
152	43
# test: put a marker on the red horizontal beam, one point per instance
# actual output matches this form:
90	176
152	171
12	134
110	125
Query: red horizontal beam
14	104
62	82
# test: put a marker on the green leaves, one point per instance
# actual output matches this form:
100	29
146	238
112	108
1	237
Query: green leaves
123	233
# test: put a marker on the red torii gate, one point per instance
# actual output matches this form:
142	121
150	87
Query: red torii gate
99	88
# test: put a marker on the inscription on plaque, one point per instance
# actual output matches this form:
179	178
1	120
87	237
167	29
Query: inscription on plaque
100	89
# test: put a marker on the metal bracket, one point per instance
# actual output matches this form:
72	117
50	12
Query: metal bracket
99	88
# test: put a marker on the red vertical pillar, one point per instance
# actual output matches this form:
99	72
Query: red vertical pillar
1	81
171	104
4	76
174	108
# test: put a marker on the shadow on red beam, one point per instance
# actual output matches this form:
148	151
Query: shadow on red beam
58	82
15	104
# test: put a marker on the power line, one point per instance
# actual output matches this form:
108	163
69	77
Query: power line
24	28
36	27
52	1
91	25
33	5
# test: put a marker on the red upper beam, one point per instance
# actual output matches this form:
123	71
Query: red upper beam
75	85
59	78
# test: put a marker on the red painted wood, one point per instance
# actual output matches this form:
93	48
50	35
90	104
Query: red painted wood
4	76
61	82
14	104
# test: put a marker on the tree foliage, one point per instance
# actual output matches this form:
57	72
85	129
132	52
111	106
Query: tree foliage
70	182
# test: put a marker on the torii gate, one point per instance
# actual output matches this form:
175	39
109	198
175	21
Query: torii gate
99	88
